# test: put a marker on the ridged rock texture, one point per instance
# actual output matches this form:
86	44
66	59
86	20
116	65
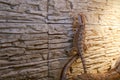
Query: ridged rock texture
35	36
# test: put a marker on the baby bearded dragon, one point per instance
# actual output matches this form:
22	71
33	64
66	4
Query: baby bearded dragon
78	45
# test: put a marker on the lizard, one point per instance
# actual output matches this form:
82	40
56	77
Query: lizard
78	44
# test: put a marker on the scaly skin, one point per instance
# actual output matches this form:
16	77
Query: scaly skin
78	45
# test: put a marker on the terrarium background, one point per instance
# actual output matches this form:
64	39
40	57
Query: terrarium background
35	34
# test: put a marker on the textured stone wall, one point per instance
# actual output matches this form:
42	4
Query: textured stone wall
35	36
23	40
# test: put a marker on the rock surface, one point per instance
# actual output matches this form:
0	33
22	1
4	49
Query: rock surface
36	34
